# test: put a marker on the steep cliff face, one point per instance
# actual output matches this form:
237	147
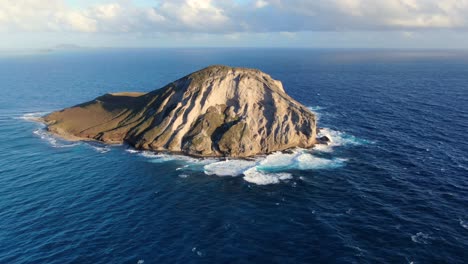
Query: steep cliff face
217	111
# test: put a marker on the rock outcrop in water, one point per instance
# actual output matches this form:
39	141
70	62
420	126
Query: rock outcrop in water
217	111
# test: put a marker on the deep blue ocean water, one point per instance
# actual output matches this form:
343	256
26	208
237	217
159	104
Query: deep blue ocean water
393	188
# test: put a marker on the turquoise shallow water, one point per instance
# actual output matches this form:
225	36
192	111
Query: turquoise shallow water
392	188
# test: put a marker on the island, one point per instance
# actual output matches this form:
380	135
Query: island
218	111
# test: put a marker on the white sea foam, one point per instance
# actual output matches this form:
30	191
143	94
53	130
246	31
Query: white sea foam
299	160
310	162
464	224
32	116
229	167
57	142
271	169
421	238
337	139
132	151
253	175
263	170
52	140
44	134
315	108
103	149
163	157
278	161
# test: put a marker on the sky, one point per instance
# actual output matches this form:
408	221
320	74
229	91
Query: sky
425	24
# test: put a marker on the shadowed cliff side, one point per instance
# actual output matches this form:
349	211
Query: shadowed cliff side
217	111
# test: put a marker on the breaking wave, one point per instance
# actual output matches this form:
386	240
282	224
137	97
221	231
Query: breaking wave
253	175
337	139
32	116
58	142
250	169
228	167
300	160
269	169
273	168
315	108
44	134
53	140
100	148
164	157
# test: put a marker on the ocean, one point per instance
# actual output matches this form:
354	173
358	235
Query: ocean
392	187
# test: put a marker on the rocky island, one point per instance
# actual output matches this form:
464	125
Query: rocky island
219	111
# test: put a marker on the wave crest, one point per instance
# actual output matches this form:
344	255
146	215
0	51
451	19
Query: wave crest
273	168
32	116
52	140
228	167
338	139
253	175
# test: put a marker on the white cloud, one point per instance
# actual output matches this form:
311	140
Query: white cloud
153	16
201	15
261	4
230	16
107	11
77	21
377	14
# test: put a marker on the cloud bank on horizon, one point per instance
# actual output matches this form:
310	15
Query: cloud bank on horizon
231	17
